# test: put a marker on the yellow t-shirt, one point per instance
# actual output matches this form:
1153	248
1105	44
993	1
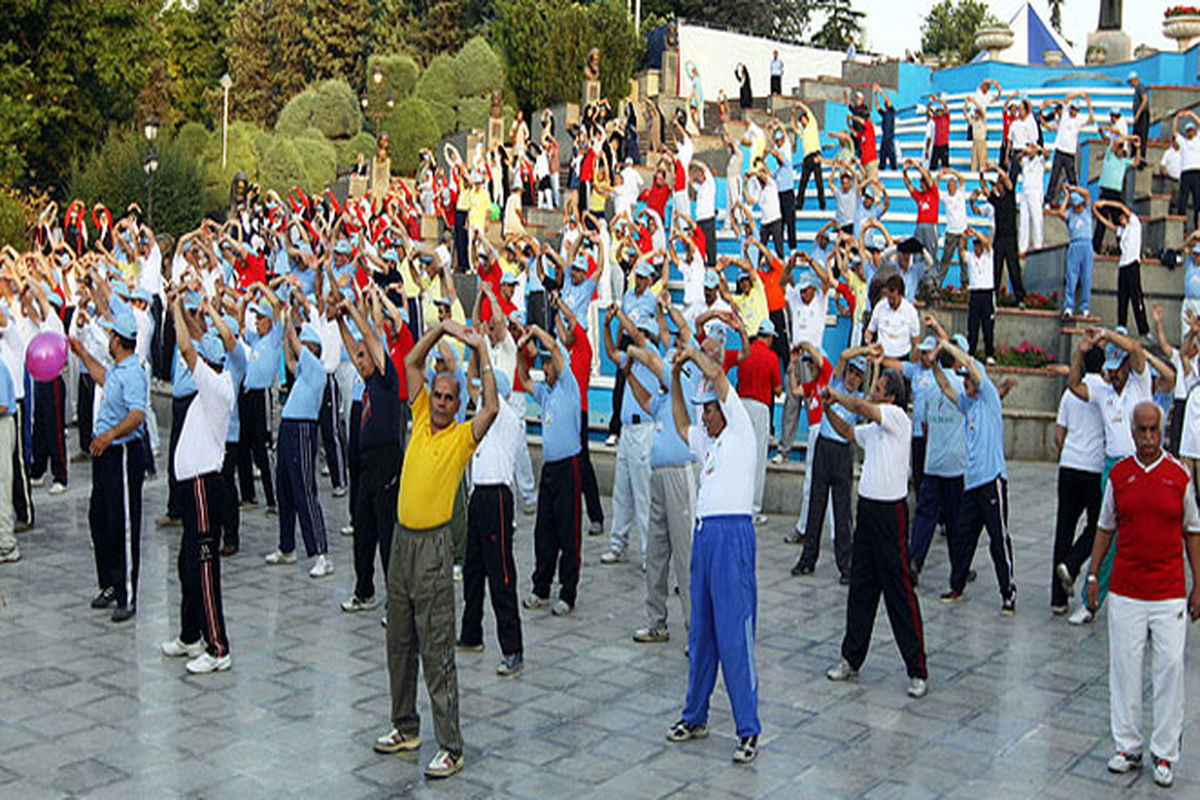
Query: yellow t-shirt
752	308
481	209
433	467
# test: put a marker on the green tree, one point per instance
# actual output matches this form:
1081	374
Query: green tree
410	126
775	19
196	37
12	222
477	69
337	39
1056	14
843	25
266	56
949	28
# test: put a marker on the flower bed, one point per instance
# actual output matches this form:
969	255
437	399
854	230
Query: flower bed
958	295
1025	354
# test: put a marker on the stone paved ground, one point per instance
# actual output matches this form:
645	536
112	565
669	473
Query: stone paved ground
1017	708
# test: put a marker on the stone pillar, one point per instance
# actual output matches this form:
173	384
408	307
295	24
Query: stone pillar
1108	47
670	73
591	91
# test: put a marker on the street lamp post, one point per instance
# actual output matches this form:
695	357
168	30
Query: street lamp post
226	82
377	113
150	164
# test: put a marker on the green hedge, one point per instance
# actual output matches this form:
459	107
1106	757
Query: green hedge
283	168
438	82
242	157
411	126
296	114
320	162
477	69
12	223
473	113
400	75
192	138
331	106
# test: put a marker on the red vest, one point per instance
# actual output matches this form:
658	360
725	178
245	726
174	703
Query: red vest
1149	562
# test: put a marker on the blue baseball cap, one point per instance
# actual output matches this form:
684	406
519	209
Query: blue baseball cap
1196	249
859	363
643	270
1077	199
309	335
232	322
508	279
1189	126
927	344
1114	357
705	393
711	281
960	342
141	294
212	349
807	281
874	240
392	256
647	323
766	328
343	248
191	301
263	309
1131	76
54	299
122	324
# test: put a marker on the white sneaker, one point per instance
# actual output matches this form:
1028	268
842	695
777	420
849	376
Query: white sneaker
1081	616
760	519
533	601
278	557
777	458
1163	775
1064	579
348	530
177	648
10	556
325	471
205	663
339	491
611	441
841	671
612	557
458	573
321	567
37	483
1120	763
57	488
354	604
595	528
444	764
560	608
917	687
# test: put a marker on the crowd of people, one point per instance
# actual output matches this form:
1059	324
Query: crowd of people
305	324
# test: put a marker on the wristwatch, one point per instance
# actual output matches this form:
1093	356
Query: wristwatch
1092	579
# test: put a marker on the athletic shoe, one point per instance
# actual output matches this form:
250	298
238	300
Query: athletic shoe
9	556
683	731
777	458
1066	314
972	575
347	530
529	509
322	567
595	528
37	483
613	557
177	648
533	601
463	647
105	599
1163	775
611	441
229	550
1058	611
357	604
444	764
760	519
1081	616
278	557
841	671
511	665
1121	763
249	504
458	572
272	511
205	663
57	488
950	596
800	568
339	491
747	750
917	688
1065	580
325	471
123	613
844	580
396	742
793	537
167	521
1009	607
561	608
654	633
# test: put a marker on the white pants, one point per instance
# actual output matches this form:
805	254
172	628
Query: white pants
151	417
760	418
524	466
1130	624
344	375
669	545
1029	232
631	485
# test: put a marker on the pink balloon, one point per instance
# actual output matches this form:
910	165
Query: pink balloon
46	356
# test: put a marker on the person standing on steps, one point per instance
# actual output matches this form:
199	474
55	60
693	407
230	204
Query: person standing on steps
1128	227
202	637
420	579
776	74
879	563
724	590
1078	279
1151	496
118	467
1002	197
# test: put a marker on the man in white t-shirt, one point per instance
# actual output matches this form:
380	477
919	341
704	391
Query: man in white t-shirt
1125	383
954	207
198	460
975	250
1128	227
705	186
895	323
1066	141
879	564
723	585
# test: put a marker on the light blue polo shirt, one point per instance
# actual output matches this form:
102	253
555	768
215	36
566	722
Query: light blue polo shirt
629	403
579	297
668	450
984	433
560	406
182	383
235	365
785	178
1191	278
125	390
262	365
923	386
827	430
1079	226
634	304
946	436
8	393
1112	172
304	400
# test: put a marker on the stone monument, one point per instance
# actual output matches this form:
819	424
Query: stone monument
591	77
495	123
1108	43
669	84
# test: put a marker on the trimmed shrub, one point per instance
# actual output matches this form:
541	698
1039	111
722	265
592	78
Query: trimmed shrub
362	143
400	74
242	156
473	113
335	110
261	141
477	69
282	168
438	82
192	138
12	223
320	162
296	114
411	126
444	115
311	133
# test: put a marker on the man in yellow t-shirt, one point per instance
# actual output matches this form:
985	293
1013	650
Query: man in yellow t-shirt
420	582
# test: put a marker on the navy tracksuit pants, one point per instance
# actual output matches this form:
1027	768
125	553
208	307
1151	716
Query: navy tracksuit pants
938	500
296	486
724	619
200	614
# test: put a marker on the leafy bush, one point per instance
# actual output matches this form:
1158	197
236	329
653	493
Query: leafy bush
438	82
113	175
336	111
261	141
477	69
362	143
320	162
444	115
400	75
12	223
473	113
411	126
242	156
296	114
282	167
311	133
192	138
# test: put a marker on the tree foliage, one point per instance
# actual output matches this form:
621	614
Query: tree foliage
197	36
330	106
842	25
775	19
477	69
949	28
282	167
337	37
267	56
410	126
13	229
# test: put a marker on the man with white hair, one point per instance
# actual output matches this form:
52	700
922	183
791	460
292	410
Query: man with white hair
1150	494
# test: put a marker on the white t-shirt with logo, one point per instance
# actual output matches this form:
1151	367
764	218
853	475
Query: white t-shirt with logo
1067	139
980	274
956	211
1083	447
726	484
808	319
1189	151
1130	237
886	450
1116	410
895	328
202	438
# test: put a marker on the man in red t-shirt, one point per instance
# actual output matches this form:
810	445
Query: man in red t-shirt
1150	495
758	383
926	197
939	155
864	132
579	348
